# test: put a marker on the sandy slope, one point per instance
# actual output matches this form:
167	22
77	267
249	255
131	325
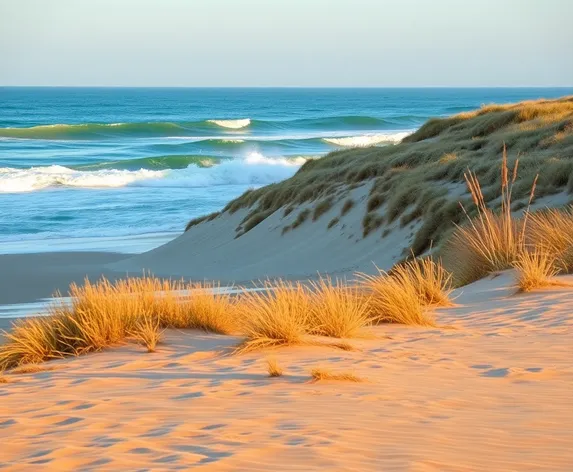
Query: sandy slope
492	394
210	250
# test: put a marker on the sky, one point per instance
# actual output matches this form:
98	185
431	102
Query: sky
314	43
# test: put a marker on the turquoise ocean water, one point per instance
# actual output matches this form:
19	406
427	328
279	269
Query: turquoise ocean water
125	169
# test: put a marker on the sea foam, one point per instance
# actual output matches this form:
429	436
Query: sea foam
253	169
232	124
36	178
367	140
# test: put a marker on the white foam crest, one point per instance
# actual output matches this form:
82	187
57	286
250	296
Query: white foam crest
36	178
232	124
367	139
254	169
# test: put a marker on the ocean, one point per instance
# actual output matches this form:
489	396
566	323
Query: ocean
124	169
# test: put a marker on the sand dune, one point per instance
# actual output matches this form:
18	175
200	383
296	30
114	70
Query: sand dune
211	251
492	394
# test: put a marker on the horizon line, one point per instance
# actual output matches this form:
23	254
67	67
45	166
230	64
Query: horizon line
295	86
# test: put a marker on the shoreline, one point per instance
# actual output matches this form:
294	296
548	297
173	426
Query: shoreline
26	278
129	245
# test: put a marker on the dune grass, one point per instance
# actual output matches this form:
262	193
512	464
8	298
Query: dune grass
276	316
551	231
413	179
201	219
490	241
535	269
431	280
333	222
347	206
103	314
148	332
394	298
341	345
319	374
273	368
404	294
322	207
337	309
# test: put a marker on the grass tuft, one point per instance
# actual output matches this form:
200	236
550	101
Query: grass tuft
337	310
148	333
273	368
322	208
32	369
371	222
551	230
333	222
395	299
534	270
201	219
276	316
301	218
346	207
432	282
319	374
491	241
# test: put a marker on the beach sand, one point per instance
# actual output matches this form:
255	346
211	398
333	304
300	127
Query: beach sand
491	393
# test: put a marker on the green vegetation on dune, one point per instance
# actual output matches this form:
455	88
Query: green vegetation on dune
422	178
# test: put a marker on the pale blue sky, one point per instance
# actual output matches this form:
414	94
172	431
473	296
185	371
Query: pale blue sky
286	42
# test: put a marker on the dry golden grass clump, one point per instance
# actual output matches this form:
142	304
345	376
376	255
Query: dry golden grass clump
534	270
319	374
273	368
551	230
432	282
32	369
103	314
148	332
395	299
31	340
337	309
539	244
402	295
275	316
492	240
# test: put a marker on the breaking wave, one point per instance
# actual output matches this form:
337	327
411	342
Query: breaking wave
367	140
231	124
254	169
